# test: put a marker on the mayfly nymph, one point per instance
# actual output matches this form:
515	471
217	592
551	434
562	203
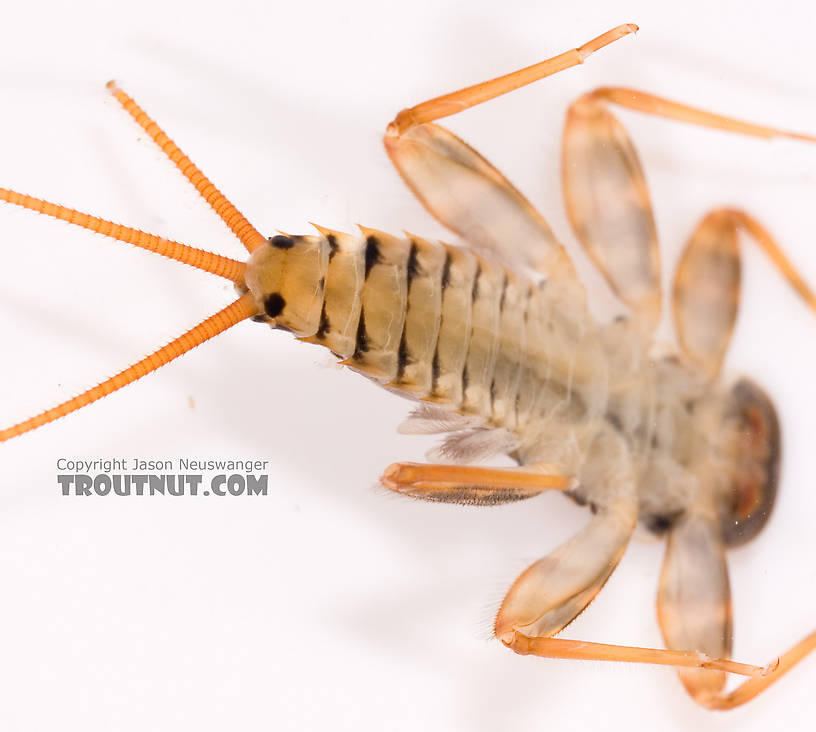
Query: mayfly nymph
495	341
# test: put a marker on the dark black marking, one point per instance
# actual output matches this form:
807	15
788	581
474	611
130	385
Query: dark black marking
412	268
372	254
282	242
435	370
362	339
492	392
530	294
403	357
579	498
324	326
505	282
615	421
274	304
334	247
474	293
465	379
446	270
258	318
322	284
659	525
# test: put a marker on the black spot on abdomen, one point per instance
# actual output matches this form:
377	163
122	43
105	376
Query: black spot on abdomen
372	254
282	242
362	338
274	304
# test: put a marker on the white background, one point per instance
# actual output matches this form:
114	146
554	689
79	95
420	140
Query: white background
329	604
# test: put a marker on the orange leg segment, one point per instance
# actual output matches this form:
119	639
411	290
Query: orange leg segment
458	101
660	107
470	484
587	651
760	677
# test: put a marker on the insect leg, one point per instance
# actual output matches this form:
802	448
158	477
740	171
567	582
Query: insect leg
608	201
471	485
707	284
694	609
579	650
658	106
458	101
694	598
608	206
469	196
465	192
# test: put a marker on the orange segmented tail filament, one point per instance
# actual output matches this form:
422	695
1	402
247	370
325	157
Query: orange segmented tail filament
215	264
241	309
231	216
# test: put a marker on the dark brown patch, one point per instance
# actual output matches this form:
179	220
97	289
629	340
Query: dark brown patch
474	293
361	346
403	357
659	525
282	242
324	326
614	420
372	254
274	304
412	268
505	282
435	370
446	270
334	247
756	466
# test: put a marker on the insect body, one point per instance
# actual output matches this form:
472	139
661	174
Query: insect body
497	342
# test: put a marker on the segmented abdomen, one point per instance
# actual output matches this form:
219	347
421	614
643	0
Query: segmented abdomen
436	321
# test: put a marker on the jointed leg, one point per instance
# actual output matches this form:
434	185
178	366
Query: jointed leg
658	106
707	284
467	194
588	651
761	677
458	101
472	485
